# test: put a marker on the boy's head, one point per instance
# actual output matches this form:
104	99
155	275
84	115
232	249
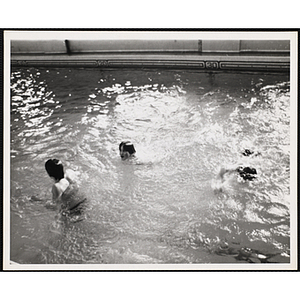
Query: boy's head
54	169
247	173
126	150
248	152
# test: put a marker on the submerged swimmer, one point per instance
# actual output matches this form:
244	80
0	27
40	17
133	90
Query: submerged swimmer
64	189
127	150
248	152
245	172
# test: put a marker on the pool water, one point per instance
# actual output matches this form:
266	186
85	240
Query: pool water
166	205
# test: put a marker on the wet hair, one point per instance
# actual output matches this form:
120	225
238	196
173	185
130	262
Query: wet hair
247	173
127	147
54	168
247	152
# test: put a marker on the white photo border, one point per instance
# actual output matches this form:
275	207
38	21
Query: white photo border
291	35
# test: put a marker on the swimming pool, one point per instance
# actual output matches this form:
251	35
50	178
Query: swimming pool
167	207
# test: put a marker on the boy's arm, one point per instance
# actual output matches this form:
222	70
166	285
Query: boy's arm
43	196
55	195
49	203
223	171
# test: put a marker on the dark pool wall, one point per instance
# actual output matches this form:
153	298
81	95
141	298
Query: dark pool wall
256	55
200	46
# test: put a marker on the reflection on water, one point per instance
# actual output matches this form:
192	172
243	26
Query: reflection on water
167	205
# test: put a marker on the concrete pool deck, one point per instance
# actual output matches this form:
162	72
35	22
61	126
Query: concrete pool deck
248	62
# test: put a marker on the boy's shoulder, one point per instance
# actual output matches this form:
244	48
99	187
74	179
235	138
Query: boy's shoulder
59	187
70	175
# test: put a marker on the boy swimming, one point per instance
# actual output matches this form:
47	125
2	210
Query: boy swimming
65	189
127	150
245	172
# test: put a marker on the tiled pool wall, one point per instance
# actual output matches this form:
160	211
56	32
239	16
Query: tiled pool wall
253	55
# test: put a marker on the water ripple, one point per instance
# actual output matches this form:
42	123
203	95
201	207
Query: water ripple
165	206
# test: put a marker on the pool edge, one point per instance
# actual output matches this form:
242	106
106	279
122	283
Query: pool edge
209	62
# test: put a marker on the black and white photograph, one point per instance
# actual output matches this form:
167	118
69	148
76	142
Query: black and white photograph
150	150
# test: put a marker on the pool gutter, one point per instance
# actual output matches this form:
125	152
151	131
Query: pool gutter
208	62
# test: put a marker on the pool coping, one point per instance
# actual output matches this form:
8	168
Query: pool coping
208	62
